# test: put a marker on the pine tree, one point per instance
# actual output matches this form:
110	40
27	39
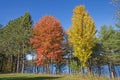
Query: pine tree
107	38
16	39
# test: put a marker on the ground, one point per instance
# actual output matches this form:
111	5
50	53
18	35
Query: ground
52	77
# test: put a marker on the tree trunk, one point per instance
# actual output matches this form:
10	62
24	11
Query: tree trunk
1	65
18	63
111	70
58	68
15	69
12	63
99	70
90	66
83	70
47	68
69	63
69	71
23	63
36	69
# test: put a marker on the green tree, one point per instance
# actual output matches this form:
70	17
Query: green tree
97	58
116	4
16	40
82	34
75	66
107	38
25	34
1	49
116	39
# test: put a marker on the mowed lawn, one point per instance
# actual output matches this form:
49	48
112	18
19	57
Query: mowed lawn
51	77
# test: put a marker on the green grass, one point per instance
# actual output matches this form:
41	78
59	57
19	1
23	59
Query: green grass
29	77
52	77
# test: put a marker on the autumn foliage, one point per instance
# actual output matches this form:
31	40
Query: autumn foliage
48	40
82	34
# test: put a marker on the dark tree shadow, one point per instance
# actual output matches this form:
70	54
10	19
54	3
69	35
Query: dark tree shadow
33	78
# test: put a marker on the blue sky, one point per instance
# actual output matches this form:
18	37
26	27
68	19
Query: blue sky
100	10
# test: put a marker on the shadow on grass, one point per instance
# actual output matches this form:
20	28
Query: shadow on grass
32	78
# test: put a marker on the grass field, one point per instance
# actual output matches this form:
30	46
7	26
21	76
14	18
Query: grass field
51	77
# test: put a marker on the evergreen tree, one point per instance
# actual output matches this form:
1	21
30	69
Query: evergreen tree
107	38
15	40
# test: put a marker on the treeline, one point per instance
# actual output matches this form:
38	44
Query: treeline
79	46
14	44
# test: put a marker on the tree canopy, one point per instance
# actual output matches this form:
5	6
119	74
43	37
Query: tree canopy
82	34
48	40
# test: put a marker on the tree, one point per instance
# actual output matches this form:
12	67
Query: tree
47	40
1	49
15	40
107	38
116	39
26	34
82	34
97	58
116	4
74	66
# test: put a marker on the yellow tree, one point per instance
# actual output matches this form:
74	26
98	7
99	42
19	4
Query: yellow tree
82	34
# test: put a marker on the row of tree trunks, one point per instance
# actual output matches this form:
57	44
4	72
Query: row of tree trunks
111	68
12	63
20	63
17	64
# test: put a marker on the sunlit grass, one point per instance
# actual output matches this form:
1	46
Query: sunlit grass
53	77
